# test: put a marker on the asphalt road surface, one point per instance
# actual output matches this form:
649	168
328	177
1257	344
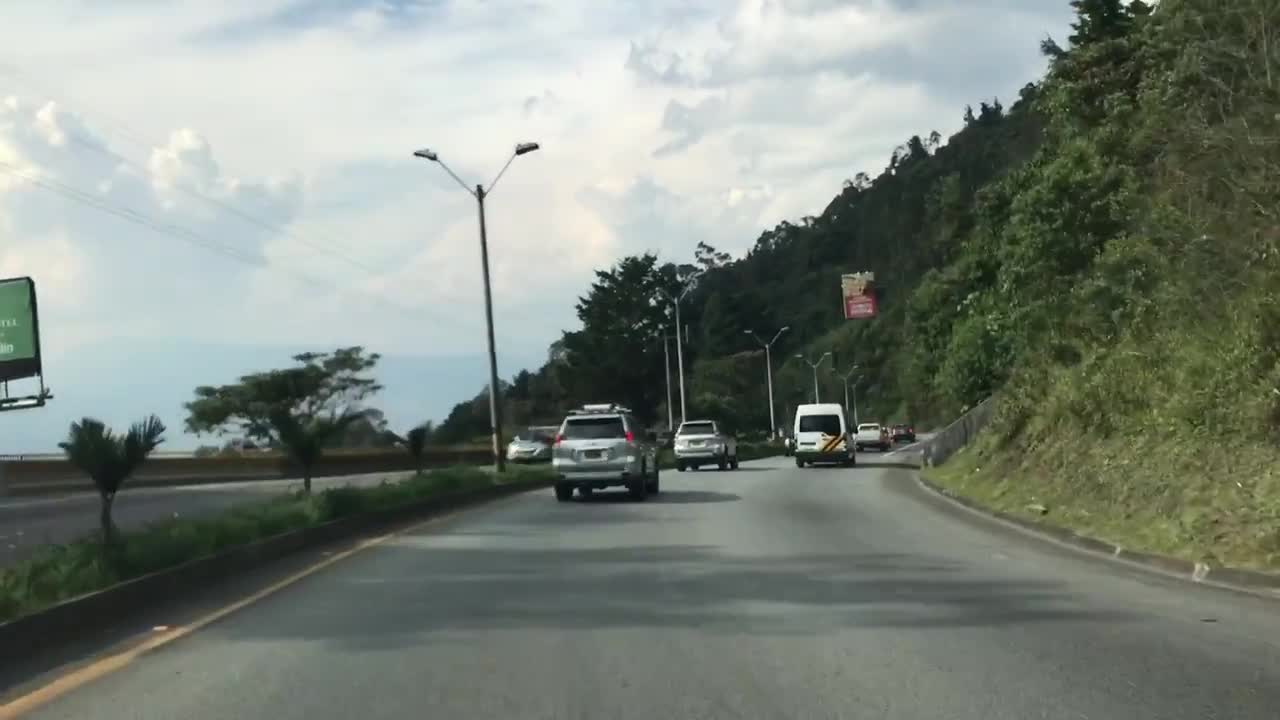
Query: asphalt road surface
770	592
27	523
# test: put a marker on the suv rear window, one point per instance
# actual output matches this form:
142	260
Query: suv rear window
829	424
868	427
532	435
697	428
594	428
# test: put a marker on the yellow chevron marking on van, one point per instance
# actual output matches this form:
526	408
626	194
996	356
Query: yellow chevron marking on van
832	444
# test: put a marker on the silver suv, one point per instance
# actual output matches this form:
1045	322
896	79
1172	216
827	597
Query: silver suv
603	446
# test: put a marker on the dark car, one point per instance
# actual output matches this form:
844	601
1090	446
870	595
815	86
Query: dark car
904	434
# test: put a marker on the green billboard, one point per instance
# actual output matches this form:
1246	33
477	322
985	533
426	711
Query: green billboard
19	330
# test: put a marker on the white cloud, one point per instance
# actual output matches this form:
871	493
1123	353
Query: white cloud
663	123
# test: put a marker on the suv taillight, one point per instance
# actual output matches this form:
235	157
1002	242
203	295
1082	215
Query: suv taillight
631	437
559	439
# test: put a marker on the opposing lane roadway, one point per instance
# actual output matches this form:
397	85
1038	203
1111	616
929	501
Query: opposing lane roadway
767	593
28	523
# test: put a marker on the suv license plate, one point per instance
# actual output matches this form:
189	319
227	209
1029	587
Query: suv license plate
593	454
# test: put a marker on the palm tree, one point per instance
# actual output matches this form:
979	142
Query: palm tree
415	442
305	438
109	459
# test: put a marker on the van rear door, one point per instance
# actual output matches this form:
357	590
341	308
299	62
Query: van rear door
819	433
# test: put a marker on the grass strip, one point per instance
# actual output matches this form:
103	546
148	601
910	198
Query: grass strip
1198	501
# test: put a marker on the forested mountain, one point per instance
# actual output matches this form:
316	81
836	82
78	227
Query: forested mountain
1103	250
900	225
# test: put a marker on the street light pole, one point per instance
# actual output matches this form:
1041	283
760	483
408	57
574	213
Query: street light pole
768	367
675	300
680	360
815	366
845	379
495	406
666	366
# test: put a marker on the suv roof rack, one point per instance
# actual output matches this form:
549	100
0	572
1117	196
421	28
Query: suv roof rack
600	408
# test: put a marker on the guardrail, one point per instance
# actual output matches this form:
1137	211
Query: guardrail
958	434
50	475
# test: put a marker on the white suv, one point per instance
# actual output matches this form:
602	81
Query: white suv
603	446
704	442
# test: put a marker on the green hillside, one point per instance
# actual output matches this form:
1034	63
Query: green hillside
1102	254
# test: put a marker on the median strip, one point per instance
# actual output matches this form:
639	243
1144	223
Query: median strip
65	588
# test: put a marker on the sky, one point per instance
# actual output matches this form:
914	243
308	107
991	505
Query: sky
202	189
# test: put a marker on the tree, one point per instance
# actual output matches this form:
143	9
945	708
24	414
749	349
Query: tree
369	431
300	409
1050	48
1098	20
109	459
708	257
617	355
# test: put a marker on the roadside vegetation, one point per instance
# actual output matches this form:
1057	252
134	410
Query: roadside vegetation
61	572
1132	305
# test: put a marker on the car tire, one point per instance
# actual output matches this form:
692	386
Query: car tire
733	463
564	493
655	485
679	466
799	463
723	463
584	493
639	488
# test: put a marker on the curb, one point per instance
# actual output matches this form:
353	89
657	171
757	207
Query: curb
1253	582
67	620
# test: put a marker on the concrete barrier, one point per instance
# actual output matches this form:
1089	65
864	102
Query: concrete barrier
937	449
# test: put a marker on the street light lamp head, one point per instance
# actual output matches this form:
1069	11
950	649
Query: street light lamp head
526	147
785	328
426	154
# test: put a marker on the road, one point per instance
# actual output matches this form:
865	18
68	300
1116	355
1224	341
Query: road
28	523
770	592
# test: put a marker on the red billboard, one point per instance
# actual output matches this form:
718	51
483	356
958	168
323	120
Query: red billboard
858	292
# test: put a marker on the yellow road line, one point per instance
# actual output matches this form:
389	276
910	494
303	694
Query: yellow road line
107	664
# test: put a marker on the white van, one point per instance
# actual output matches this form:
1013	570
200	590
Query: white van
822	435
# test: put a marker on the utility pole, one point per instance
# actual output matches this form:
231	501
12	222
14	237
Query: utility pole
768	367
495	405
815	366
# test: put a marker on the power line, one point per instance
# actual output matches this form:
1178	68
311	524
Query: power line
80	196
334	248
137	138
